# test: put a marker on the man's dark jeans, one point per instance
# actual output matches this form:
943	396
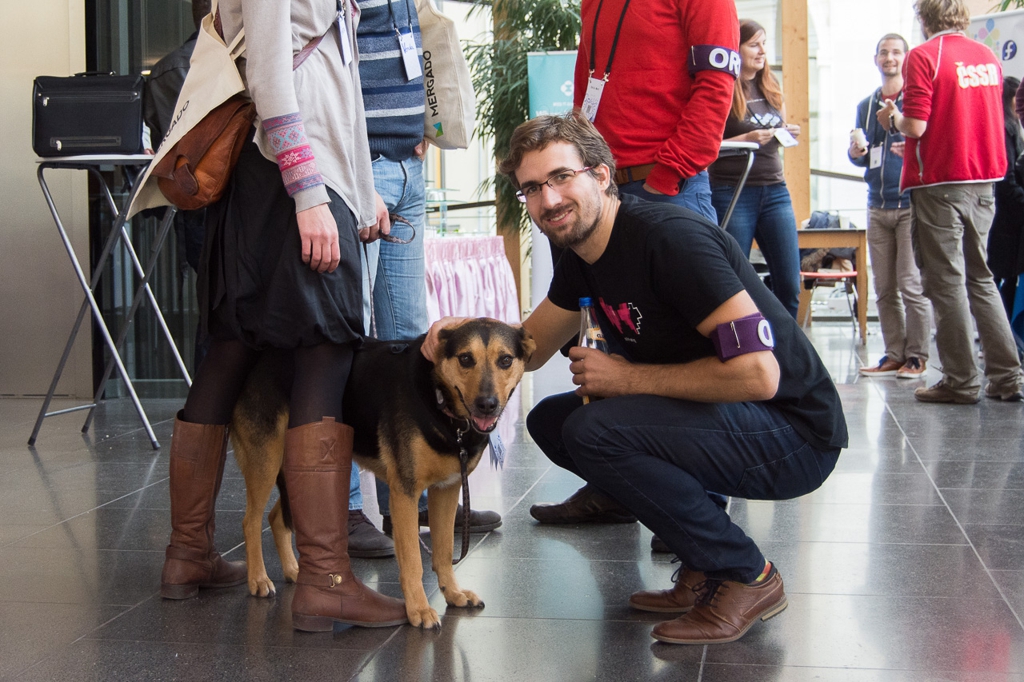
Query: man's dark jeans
657	456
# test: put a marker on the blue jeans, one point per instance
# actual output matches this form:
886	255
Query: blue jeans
766	213
398	271
694	194
657	456
399	278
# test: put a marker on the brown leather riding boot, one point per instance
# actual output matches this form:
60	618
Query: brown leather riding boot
198	452
680	599
317	466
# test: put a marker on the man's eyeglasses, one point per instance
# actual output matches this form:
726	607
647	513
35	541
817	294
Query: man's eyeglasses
557	180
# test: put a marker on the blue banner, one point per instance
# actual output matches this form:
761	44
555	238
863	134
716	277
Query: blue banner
550	75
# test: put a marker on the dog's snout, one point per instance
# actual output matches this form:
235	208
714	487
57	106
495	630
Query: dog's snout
486	404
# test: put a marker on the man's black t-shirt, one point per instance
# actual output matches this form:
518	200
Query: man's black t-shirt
664	271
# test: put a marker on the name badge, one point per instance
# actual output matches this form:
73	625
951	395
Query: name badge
410	58
346	39
497	451
785	137
875	160
595	86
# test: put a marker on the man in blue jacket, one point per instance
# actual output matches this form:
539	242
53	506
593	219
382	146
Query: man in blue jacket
903	311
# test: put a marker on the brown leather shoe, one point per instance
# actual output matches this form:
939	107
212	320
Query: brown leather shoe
197	459
886	367
679	599
725	610
941	393
317	467
586	505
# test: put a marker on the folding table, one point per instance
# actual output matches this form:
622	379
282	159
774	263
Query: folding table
132	164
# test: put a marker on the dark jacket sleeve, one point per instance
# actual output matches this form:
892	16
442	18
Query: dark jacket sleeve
862	108
1004	239
162	89
160	98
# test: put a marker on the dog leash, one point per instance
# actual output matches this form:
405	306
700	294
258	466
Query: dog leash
463	464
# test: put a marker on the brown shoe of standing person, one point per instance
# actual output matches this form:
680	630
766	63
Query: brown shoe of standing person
941	393
317	469
586	505
197	459
886	367
724	611
679	599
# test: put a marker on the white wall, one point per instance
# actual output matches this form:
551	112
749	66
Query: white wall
39	294
846	35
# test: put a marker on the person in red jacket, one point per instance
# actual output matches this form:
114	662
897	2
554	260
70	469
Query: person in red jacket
953	119
656	79
662	114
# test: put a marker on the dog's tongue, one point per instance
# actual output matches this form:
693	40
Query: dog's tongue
484	423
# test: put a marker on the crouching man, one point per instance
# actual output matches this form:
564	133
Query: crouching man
710	385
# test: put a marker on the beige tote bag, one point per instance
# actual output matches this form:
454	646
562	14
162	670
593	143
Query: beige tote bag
212	80
450	100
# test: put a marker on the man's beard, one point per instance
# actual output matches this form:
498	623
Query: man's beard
574	234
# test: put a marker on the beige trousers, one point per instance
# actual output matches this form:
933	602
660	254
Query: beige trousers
904	313
949	228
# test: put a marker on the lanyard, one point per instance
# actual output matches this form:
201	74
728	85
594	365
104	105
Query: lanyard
615	41
408	16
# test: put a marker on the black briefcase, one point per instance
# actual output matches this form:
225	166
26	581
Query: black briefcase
88	113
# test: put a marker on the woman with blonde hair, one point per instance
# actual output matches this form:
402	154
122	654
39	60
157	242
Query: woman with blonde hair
764	210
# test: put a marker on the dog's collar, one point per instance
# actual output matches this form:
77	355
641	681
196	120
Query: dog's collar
442	405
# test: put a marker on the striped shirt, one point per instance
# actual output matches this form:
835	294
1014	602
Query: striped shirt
394	105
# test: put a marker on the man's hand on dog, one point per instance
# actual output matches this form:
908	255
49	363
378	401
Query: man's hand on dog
431	344
598	374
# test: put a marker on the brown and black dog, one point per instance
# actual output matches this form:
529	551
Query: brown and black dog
411	418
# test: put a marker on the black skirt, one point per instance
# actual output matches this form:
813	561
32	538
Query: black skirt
253	285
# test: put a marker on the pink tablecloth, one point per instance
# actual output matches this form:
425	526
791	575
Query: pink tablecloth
470	277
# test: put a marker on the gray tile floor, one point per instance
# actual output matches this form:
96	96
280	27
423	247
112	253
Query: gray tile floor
908	564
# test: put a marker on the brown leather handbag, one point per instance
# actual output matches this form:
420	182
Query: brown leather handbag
195	173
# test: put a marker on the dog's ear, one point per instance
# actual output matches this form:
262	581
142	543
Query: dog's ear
443	336
526	343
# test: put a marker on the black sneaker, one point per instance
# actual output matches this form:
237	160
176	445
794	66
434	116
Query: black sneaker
364	540
479	521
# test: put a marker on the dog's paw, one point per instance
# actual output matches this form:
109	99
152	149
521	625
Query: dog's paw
262	587
291	571
425	618
463	598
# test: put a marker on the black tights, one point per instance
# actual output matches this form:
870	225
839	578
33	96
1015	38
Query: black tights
321	373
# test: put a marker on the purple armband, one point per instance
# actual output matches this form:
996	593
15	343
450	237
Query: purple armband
714	58
749	334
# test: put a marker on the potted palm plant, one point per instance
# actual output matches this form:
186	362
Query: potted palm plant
499	74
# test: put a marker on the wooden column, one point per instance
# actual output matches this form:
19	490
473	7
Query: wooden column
507	227
795	67
509	230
